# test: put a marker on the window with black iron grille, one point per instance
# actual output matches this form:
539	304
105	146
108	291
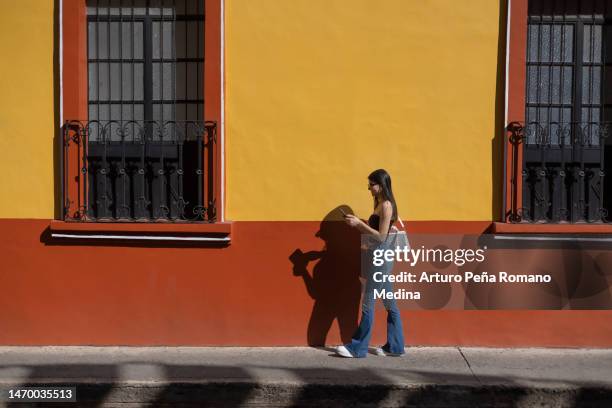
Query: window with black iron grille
145	137
566	153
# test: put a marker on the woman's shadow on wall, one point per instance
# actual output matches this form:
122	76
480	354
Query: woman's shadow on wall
334	283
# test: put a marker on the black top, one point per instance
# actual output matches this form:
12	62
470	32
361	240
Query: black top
374	221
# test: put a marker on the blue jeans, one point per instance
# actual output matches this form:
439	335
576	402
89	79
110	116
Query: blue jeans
395	334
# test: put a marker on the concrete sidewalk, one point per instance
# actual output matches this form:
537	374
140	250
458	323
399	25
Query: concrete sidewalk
228	376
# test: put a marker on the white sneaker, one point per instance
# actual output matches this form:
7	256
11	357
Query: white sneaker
380	352
343	352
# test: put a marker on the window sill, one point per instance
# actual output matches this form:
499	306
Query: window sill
585	228
195	232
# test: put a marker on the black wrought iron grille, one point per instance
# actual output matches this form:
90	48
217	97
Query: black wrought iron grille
154	172
146	150
565	143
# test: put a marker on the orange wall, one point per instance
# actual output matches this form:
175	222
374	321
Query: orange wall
245	294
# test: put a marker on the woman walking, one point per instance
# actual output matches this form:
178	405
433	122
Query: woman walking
378	227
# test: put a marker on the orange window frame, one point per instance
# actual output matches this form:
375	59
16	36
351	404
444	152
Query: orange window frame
515	99
74	91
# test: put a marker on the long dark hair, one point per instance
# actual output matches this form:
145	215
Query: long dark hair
382	178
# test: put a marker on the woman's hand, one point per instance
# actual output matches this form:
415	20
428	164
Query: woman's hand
351	220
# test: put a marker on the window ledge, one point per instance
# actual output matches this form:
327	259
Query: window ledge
566	228
169	231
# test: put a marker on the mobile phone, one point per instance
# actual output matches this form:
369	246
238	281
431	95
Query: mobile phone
296	256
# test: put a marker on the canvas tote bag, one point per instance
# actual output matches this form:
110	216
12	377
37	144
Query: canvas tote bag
400	236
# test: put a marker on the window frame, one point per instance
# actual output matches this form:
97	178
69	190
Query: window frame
515	102
74	93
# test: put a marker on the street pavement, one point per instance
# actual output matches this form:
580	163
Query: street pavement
302	376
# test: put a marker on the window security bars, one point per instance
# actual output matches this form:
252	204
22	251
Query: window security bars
563	172
566	61
560	155
145	152
145	60
139	171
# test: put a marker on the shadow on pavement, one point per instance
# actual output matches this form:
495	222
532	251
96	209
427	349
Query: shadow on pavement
230	386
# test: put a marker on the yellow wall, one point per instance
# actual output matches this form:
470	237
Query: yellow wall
26	109
321	92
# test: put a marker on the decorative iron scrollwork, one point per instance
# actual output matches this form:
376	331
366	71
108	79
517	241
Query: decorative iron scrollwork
558	171
139	170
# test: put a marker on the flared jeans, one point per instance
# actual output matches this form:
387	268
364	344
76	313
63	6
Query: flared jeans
360	341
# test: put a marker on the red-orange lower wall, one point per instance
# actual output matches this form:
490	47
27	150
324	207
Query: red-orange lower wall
244	294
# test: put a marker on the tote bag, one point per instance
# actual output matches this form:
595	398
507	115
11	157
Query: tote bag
400	237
